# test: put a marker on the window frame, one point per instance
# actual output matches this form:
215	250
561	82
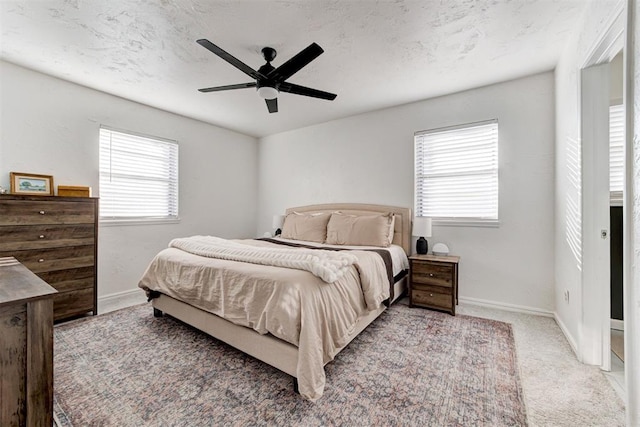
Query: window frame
468	221
142	219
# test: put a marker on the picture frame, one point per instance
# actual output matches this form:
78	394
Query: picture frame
31	184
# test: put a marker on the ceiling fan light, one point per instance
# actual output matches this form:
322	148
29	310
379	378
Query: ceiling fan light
267	92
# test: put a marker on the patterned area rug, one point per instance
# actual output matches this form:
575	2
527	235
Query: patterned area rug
410	367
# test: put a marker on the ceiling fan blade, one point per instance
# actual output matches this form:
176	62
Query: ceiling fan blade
230	59
306	91
228	87
272	105
296	63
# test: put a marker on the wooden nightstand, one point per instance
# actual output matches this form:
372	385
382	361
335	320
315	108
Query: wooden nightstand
434	282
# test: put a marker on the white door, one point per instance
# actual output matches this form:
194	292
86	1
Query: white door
595	339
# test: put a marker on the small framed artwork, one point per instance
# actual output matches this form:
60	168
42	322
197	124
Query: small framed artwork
31	183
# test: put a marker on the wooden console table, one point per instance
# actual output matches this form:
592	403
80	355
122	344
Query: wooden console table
26	347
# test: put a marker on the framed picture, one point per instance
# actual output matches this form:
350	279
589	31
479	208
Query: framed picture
30	183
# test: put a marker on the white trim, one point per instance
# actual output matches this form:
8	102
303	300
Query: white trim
138	221
120	300
507	307
466	222
612	42
456	127
568	336
618	325
631	224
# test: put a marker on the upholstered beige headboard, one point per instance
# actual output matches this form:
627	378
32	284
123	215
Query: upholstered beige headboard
402	232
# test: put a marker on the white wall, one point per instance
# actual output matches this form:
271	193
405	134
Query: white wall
50	126
568	203
369	158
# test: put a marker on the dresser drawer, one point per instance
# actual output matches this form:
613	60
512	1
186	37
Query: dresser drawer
21	237
67	304
29	212
431	299
40	260
432	273
71	279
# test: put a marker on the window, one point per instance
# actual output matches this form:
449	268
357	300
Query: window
138	177
616	152
456	174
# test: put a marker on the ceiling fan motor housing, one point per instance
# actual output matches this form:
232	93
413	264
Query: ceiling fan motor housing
269	53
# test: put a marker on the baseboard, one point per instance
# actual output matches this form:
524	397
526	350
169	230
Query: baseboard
618	325
567	335
505	306
120	300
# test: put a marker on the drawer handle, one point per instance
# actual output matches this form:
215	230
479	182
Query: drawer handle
41	260
430	274
41	236
430	295
41	212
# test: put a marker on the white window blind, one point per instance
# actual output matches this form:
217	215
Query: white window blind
616	151
138	176
456	173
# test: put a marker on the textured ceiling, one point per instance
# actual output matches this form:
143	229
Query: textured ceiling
377	53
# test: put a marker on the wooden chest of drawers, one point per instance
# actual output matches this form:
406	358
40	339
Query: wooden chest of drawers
56	238
434	282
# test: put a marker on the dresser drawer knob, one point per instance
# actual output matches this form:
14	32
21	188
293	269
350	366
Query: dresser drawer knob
41	212
41	260
430	274
41	236
430	295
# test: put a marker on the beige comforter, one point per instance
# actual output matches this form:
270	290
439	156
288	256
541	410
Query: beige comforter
293	305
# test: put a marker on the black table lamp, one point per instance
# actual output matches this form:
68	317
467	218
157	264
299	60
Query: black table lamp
421	229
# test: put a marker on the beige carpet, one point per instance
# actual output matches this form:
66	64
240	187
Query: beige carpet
617	343
558	390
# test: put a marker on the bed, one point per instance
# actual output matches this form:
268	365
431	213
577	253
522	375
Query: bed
290	318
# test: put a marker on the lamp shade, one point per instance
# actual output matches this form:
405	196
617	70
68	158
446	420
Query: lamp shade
278	220
421	226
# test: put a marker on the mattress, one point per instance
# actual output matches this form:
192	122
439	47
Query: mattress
293	305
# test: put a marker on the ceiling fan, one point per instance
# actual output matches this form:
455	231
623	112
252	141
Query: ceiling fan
268	79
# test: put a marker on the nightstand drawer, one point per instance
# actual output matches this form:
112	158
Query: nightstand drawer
431	288
431	299
432	273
